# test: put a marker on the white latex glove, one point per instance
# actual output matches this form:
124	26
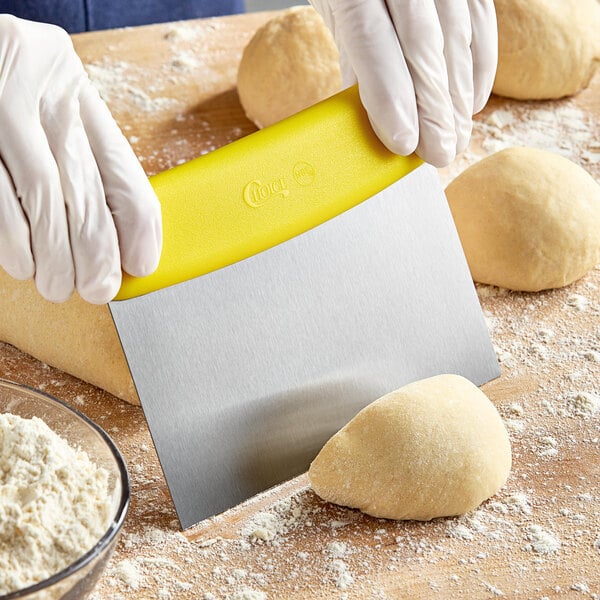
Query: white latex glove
423	67
75	204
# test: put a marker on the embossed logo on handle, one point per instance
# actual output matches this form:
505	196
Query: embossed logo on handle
304	173
256	193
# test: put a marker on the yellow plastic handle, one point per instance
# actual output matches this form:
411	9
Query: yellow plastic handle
266	188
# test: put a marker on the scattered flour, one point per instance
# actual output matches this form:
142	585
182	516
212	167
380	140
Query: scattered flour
540	127
578	302
519	502
264	526
542	541
459	530
115	81
493	589
490	291
128	572
583	404
54	502
268	526
79	400
516	409
504	357
515	425
247	594
547	446
342	576
337	549
591	355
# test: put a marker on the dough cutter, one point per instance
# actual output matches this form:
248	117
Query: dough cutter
306	271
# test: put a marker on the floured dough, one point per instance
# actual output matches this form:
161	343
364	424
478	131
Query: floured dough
528	219
546	48
290	63
76	337
434	448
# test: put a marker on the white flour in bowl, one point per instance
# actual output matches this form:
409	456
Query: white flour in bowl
54	502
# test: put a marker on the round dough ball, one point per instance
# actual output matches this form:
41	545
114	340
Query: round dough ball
546	48
434	448
528	219
290	63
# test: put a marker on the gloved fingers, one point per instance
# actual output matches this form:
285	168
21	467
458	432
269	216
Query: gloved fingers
346	70
456	28
37	184
129	195
419	31
16	257
366	36
484	48
92	232
323	8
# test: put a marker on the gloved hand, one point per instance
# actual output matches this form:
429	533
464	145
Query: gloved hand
424	67
75	204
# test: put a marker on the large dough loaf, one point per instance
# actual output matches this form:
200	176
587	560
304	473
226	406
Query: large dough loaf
75	337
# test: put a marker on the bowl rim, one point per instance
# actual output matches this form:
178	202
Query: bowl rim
120	514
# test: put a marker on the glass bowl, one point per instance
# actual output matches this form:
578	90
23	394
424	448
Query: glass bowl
78	579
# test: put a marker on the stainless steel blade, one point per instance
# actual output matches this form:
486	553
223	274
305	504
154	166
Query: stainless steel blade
244	373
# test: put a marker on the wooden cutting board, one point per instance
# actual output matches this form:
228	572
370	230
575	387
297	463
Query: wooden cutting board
172	89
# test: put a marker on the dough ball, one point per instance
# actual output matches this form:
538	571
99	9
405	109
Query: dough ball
290	63
546	48
434	448
528	219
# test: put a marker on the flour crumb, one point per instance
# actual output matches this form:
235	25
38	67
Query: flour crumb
591	355
342	576
515	425
516	409
128	572
460	531
179	32
500	118
490	291
336	524
184	61
493	589
578	302
207	542
583	404
519	502
264	526
548	446
545	334
337	549
268	526
542	541
79	400
505	357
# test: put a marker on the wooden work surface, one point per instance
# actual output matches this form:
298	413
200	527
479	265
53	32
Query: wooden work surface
172	89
